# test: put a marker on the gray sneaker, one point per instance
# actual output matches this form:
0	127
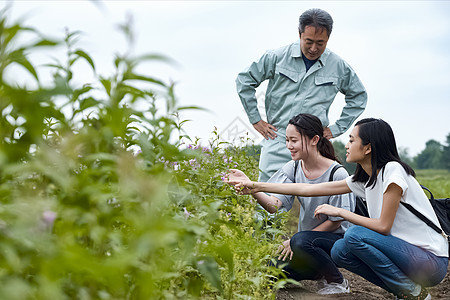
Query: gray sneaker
321	283
424	295
334	288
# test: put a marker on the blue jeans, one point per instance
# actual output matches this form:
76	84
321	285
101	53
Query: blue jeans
312	259
389	262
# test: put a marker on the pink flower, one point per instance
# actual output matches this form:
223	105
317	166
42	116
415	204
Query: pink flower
48	218
186	213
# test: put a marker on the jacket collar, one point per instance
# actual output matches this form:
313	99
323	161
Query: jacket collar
296	52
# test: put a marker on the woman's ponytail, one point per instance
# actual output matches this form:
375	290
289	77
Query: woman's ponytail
326	149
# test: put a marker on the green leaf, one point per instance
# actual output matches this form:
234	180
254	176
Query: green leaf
107	85
44	43
9	34
195	285
132	90
88	102
132	76
225	253
133	128
24	62
78	92
184	121
208	267
117	60
84	55
74	34
192	107
54	66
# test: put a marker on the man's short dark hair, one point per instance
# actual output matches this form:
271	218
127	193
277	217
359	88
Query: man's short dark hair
317	18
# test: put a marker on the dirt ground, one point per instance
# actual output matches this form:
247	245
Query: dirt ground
360	289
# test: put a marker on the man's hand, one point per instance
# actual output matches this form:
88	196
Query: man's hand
327	133
285	250
265	129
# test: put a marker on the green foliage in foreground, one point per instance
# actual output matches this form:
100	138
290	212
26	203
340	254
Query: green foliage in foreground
100	202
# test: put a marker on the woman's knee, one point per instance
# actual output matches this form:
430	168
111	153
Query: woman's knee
339	252
300	241
355	234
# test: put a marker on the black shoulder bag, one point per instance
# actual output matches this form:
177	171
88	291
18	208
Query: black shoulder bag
360	207
442	209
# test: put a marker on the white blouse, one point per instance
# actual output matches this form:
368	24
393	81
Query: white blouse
406	225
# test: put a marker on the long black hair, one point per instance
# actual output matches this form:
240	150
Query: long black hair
310	126
380	136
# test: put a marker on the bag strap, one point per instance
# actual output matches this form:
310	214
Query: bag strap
431	195
295	169
335	167
334	171
423	218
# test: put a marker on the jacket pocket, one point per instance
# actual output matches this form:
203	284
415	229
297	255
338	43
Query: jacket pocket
325	81
289	74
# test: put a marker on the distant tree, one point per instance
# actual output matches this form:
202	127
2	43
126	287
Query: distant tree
339	149
403	152
446	154
430	157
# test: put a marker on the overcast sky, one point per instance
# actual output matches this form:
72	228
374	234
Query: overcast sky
399	49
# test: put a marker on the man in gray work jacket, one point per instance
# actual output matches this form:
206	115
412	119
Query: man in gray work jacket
304	77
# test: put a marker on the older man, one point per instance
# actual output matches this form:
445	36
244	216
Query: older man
304	77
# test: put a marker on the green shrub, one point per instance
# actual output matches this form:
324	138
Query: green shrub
101	198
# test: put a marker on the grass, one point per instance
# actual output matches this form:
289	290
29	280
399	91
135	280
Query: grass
438	181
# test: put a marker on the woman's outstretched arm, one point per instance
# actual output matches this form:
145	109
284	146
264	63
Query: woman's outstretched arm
298	189
269	203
